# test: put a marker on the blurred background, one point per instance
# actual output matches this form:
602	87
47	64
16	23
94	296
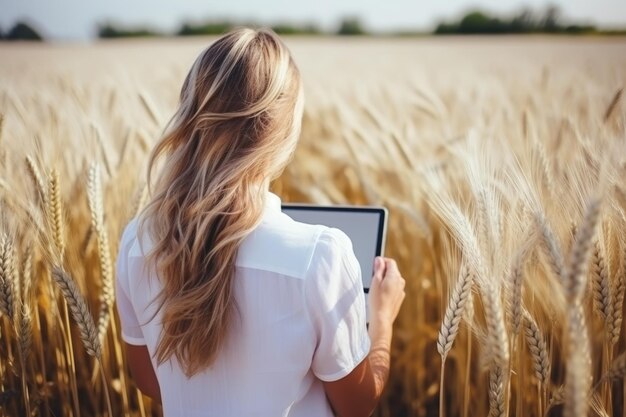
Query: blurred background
490	129
79	21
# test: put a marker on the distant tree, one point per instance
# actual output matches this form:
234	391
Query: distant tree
207	28
23	31
580	29
445	28
551	19
351	26
289	29
526	21
476	22
523	22
109	30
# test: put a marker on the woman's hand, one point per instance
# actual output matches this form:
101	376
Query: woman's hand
386	291
358	393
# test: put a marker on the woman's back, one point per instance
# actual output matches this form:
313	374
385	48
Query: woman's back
299	320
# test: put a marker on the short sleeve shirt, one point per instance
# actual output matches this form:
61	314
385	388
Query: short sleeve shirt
300	320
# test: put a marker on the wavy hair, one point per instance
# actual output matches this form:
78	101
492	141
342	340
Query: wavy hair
235	129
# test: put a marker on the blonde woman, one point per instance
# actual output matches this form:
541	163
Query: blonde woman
229	307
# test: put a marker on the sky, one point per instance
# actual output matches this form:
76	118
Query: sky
77	19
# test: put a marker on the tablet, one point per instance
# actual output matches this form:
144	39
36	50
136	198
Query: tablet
366	227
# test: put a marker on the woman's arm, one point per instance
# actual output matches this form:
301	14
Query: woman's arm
141	368
358	393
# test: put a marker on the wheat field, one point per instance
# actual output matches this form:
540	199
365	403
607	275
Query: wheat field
502	162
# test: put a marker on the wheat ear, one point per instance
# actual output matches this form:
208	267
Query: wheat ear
454	312
574	280
27	273
550	246
54	212
618	300
514	285
496	391
24	330
140	202
578	373
8	277
80	311
35	175
618	314
96	207
602	294
616	371
538	348
149	107
613	105
497	348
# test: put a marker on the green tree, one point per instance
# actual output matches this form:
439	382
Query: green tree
479	22
109	30
23	31
206	28
289	29
551	19
523	22
351	26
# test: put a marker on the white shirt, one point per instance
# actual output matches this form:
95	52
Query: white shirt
300	321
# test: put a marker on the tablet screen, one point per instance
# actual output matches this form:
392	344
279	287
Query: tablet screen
365	226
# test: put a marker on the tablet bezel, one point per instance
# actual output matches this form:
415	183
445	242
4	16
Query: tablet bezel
382	222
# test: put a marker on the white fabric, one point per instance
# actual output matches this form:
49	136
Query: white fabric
301	320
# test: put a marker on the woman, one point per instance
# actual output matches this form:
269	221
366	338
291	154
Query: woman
229	307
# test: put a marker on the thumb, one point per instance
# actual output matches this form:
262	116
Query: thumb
379	269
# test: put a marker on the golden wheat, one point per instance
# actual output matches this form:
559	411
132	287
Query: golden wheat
481	154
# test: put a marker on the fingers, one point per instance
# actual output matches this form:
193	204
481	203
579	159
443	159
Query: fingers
379	269
391	265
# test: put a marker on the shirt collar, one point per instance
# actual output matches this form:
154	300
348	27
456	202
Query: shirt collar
273	203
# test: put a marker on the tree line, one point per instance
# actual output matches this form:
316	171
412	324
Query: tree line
526	21
348	26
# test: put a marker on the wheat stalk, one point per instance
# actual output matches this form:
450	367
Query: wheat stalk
96	207
574	280
454	312
80	311
24	330
550	246
514	285
578	373
546	169
617	370
8	277
37	178
150	108
613	105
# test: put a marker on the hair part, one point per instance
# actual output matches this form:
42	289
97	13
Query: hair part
234	131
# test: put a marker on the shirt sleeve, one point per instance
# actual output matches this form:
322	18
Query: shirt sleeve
131	330
336	304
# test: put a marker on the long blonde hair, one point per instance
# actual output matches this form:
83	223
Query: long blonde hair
234	131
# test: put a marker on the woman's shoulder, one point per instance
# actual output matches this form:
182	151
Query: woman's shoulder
285	246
